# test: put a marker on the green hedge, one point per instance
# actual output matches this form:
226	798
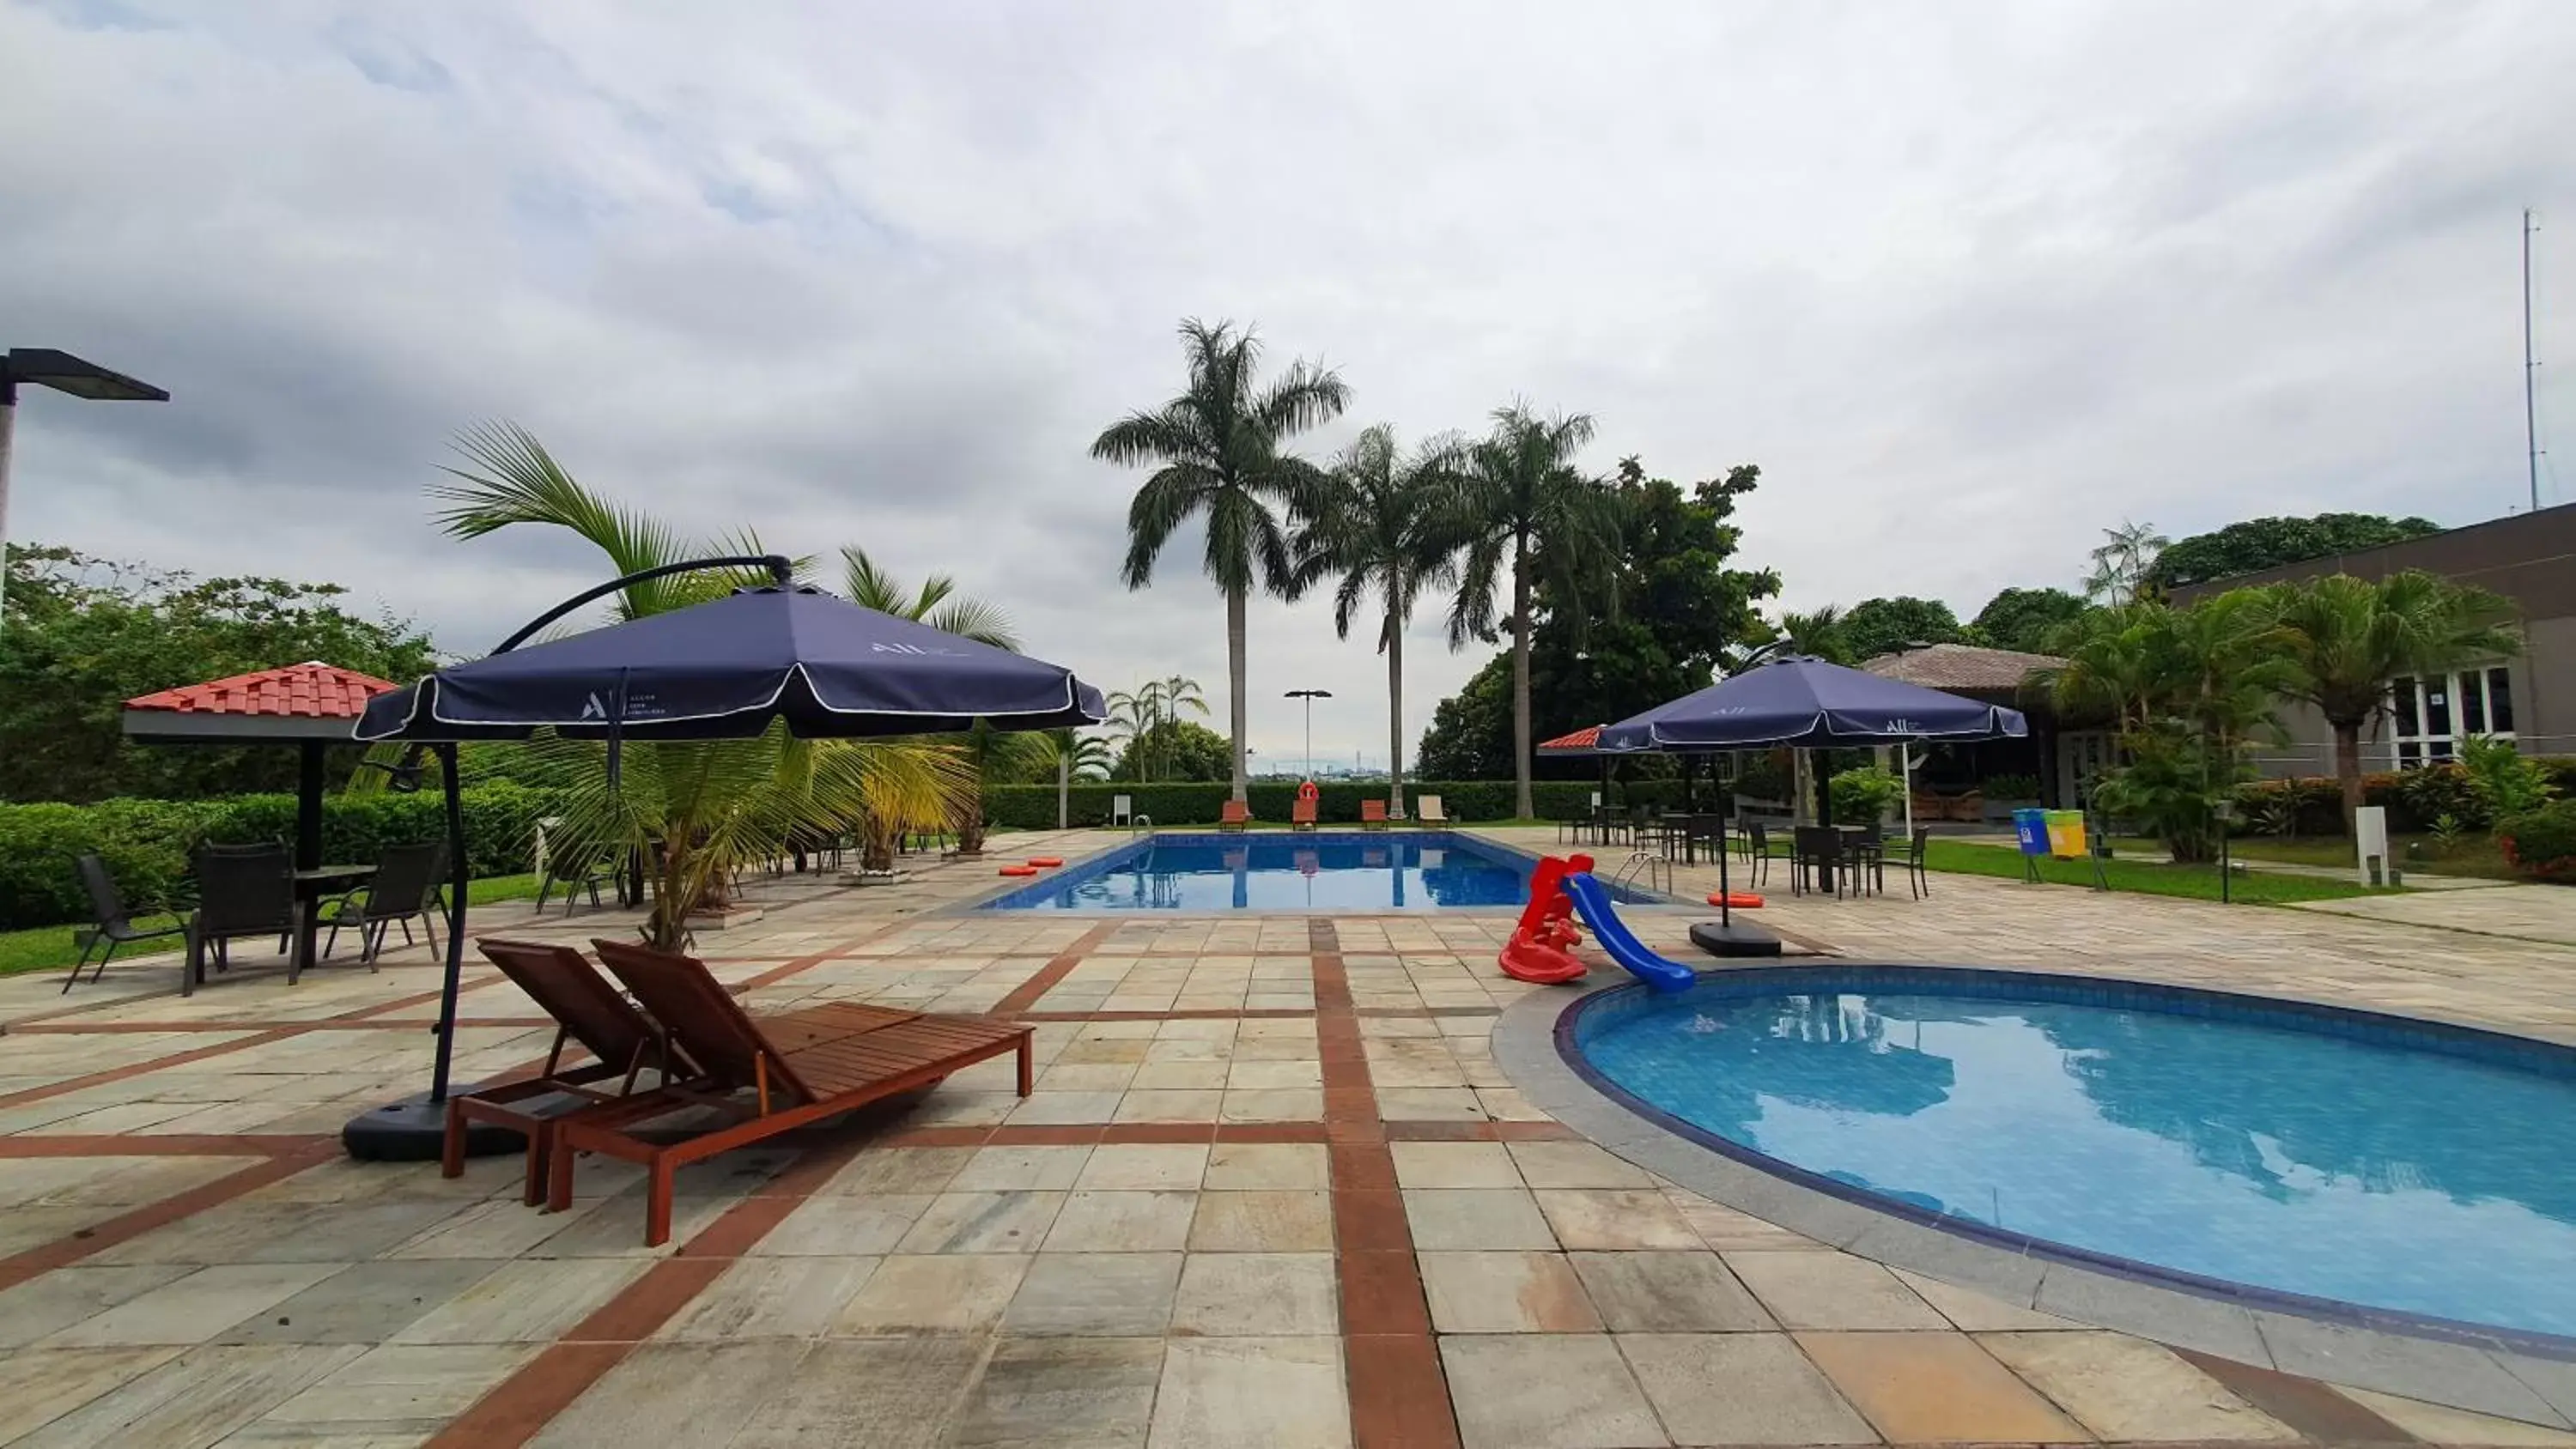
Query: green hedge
1032	807
2414	798
2542	843
146	843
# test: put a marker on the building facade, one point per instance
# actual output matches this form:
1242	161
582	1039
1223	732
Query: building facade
2529	699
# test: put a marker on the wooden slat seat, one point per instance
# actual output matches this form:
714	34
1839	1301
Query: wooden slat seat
797	1068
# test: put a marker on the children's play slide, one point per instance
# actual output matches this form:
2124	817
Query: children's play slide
1592	903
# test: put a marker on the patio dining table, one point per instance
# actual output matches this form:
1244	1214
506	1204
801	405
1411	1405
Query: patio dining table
311	887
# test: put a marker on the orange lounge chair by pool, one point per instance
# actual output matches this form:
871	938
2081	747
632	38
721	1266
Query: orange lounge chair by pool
1233	815
1372	815
1301	816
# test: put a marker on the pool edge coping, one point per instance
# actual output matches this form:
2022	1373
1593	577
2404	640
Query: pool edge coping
2537	1388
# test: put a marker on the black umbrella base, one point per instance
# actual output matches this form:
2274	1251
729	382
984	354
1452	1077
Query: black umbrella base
415	1130
1734	940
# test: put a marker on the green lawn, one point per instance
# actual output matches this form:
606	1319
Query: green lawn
2476	855
2142	877
51	948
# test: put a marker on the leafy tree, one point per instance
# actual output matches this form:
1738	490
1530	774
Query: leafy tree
2026	619
1882	626
1220	444
711	806
2268	543
2346	638
2121	564
1134	715
1378	529
1178	750
1524	508
84	635
1679	612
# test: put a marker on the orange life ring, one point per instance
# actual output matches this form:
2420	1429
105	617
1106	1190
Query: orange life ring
1046	862
1019	870
1735	900
1306	790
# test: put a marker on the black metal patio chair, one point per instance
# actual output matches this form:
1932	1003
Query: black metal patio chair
404	886
1917	861
114	922
241	891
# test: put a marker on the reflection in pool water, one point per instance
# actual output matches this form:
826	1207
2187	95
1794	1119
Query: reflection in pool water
2311	1163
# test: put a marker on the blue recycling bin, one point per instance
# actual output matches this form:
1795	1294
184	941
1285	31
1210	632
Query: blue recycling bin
2030	828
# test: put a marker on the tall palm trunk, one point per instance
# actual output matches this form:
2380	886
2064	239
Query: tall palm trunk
2347	748
1395	707
1236	688
1522	808
1063	791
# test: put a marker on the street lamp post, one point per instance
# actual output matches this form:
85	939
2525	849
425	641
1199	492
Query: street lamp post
1310	696
62	372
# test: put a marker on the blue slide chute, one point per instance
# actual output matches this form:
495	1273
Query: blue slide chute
1592	902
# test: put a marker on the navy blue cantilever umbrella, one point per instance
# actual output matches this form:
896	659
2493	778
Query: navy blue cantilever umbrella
725	669
1805	703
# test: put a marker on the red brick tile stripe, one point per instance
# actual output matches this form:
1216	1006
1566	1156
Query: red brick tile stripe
1058	966
20	1267
1399	1395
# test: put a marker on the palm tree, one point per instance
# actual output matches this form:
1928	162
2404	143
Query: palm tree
1220	447
1521	504
712	806
936	603
1077	756
1818	634
1134	716
1380	528
2346	638
2120	565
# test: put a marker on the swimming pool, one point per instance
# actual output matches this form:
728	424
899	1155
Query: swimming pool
2323	1159
1426	870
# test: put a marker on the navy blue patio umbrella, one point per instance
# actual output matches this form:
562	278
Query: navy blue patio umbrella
725	669
1801	702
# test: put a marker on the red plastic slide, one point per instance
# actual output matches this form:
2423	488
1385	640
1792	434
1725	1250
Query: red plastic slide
1542	945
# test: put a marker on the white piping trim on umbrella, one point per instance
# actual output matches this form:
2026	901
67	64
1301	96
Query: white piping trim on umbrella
424	690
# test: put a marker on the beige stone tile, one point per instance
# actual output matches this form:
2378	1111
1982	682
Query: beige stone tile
194	1308
397	1389
1832	1290
844	1224
1476	1220
1235	1295
1935	1387
1263	1222
1086	1077
1726	1229
1020	1169
1082	1393
1095	1295
1546	1391
1615	1218
1668	1292
1295	1104
1454	1164
983	1222
900	1170
1179	1076
1740	1388
1251	1393
525	1302
1171	1106
956	1293
1974	1311
678	1393
57	1300
1429	1104
2436	1423
38	1386
772	1298
1266	1076
199	1397
1128	1166
1574	1165
2127	1388
1063	1109
1505	1293
1267	1166
1123	1222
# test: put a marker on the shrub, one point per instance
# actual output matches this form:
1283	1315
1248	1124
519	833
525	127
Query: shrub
146	843
2541	843
2292	807
1032	807
1863	795
2505	783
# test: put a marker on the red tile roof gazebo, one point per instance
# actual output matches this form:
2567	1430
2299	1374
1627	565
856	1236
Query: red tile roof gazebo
308	701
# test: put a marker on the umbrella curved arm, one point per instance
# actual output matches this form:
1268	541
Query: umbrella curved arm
781	570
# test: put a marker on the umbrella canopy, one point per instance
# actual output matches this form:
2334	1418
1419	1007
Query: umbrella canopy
726	668
1811	704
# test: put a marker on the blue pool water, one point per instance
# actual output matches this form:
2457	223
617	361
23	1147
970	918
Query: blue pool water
1268	872
2337	1163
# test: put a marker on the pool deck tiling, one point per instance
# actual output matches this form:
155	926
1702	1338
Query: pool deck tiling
1274	1188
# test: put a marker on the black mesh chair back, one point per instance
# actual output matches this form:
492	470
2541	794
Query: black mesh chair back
245	890
106	903
406	881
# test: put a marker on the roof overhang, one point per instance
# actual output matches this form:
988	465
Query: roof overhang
183	726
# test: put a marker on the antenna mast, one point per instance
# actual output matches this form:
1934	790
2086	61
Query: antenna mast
2530	366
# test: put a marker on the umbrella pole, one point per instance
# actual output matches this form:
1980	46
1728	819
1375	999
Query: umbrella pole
460	875
1905	768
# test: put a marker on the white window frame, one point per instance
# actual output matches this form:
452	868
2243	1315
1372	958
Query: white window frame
2414	743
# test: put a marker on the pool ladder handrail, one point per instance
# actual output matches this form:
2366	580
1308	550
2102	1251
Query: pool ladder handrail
1139	824
1644	861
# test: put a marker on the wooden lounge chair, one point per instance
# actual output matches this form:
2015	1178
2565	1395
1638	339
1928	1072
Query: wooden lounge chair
1427	811
1301	816
1372	815
587	1010
799	1068
1233	816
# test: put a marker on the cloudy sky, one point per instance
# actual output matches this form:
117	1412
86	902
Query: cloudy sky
1970	281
